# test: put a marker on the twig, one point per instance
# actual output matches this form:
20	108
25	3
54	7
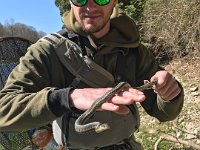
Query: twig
197	136
176	140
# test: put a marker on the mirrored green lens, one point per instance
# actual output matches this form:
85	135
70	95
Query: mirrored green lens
102	2
79	2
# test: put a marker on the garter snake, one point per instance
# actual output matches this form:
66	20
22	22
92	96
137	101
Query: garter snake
80	125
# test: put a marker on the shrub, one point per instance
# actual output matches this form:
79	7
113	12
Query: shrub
172	27
133	8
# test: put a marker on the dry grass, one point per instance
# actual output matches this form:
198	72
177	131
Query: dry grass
172	27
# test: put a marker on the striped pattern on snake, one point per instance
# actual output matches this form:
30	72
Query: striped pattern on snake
98	127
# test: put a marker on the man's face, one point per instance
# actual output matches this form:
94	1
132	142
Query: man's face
92	17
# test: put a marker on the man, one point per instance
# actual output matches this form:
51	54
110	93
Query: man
42	89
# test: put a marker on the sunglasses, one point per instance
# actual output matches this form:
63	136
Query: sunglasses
80	3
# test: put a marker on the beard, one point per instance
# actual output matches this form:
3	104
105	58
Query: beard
94	27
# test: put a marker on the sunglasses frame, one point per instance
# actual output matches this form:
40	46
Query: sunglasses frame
86	1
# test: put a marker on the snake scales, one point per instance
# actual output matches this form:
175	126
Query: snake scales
80	125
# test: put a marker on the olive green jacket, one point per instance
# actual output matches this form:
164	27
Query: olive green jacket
25	100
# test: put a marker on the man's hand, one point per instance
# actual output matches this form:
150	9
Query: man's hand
167	86
83	99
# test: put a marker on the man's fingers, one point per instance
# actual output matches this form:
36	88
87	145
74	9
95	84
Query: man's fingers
171	94
123	110
169	90
119	109
128	97
119	102
109	107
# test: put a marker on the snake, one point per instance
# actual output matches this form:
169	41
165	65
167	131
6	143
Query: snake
98	127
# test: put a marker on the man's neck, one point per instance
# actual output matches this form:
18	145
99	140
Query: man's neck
102	32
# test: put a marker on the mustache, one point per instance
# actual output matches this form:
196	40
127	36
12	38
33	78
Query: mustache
89	13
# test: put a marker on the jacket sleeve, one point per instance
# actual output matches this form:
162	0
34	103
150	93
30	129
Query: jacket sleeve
30	97
154	104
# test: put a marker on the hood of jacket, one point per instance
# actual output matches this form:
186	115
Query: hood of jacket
123	31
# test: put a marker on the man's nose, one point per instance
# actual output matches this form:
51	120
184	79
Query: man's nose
91	4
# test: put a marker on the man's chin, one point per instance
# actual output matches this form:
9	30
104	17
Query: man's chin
90	30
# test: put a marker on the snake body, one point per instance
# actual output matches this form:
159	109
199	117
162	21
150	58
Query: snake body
80	125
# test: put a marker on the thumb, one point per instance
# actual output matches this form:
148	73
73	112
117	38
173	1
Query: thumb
154	78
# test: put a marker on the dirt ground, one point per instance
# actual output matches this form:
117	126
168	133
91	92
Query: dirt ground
183	132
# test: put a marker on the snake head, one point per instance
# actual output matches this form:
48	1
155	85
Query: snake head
102	128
